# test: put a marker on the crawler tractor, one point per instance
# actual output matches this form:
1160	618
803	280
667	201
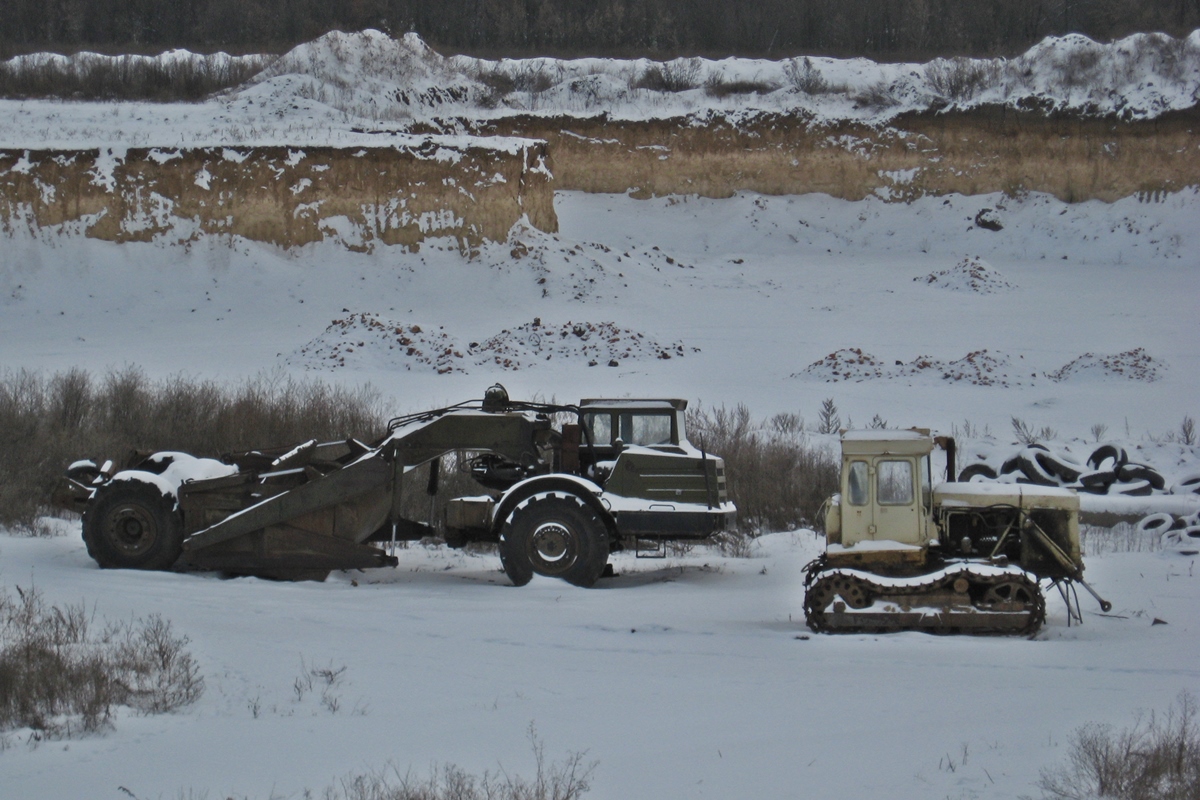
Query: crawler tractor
904	554
559	488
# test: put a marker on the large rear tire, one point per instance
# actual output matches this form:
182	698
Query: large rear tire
132	525
555	536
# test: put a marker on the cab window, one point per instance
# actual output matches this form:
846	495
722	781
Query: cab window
895	483
646	429
601	427
856	483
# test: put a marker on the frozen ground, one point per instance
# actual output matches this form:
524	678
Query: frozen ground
690	677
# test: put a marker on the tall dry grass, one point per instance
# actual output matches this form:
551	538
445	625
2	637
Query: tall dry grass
49	421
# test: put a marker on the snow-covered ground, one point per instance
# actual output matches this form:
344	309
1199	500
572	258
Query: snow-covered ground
750	296
690	677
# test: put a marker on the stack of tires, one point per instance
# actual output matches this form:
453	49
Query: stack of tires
1108	471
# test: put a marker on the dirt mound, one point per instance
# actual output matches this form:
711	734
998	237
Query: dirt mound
980	368
1132	365
366	339
593	342
972	274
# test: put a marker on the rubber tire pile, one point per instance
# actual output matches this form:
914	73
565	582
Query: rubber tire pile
1108	471
1180	534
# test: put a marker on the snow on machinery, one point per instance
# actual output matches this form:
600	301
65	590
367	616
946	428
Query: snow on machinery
904	554
559	497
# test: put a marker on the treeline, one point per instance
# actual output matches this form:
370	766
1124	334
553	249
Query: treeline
880	29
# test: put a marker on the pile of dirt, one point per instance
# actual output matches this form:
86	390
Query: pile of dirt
982	368
979	367
972	274
1132	365
366	339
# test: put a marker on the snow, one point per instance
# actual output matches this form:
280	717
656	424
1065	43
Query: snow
684	677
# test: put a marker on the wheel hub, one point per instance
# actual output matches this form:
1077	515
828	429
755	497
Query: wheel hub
132	530
551	541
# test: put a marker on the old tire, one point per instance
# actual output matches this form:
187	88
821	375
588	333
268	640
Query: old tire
132	525
977	470
555	536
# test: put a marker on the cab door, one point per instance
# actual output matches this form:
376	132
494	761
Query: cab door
897	518
880	501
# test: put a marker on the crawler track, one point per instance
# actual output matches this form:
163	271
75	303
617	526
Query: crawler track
962	598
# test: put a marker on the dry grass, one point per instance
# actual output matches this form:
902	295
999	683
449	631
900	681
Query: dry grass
59	676
1158	758
1073	159
565	780
49	421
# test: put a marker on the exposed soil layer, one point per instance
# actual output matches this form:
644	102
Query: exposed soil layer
285	196
988	149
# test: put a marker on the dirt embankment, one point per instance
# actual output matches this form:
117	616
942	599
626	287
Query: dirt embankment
285	196
972	152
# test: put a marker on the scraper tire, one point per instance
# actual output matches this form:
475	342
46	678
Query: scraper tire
132	525
555	536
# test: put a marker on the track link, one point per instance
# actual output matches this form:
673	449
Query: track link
958	599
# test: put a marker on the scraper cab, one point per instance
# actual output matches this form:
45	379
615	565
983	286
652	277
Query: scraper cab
559	488
905	554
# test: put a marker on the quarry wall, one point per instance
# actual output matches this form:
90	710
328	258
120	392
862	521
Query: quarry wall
285	196
472	190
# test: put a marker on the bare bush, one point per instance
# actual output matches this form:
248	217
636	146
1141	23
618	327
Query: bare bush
777	477
1120	538
1080	67
48	422
89	76
960	79
58	678
876	96
569	779
1187	431
717	86
679	75
805	77
1027	435
1156	759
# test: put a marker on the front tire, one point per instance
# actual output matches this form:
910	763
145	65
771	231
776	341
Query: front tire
132	525
559	537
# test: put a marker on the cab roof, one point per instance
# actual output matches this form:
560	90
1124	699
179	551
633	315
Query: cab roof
886	442
647	404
